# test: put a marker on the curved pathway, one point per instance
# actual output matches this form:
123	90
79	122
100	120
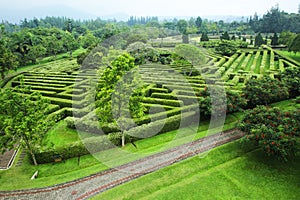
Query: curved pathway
97	183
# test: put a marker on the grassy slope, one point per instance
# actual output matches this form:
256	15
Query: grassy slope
227	172
50	174
291	55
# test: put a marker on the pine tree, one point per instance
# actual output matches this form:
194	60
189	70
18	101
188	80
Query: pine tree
204	37
274	41
258	40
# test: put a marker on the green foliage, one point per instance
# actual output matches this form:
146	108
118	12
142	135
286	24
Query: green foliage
204	37
120	93
225	36
226	48
295	45
182	26
286	38
258	40
190	53
272	130
229	101
8	60
291	77
275	39
198	22
24	119
265	91
73	150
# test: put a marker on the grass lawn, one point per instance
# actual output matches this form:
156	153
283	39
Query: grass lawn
50	174
227	172
291	55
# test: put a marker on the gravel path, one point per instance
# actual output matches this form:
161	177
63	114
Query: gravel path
97	183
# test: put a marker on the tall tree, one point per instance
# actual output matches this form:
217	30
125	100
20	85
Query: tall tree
204	37
8	60
225	36
24	119
274	41
295	45
198	23
116	100
182	26
258	40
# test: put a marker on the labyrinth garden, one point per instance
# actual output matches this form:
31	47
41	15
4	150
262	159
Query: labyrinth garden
173	91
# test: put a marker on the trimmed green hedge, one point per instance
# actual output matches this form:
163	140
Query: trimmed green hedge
169	124
174	103
95	144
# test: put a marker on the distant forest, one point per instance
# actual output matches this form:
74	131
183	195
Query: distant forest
274	21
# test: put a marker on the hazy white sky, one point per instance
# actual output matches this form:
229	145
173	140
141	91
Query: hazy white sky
160	7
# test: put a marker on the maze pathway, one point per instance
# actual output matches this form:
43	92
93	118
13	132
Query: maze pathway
100	182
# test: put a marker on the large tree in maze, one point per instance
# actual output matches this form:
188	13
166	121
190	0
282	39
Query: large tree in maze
182	26
8	60
24	119
119	94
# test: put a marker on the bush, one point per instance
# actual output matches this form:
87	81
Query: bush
291	77
164	125
94	144
272	130
265	91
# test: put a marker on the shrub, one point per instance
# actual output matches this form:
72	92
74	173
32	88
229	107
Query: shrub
94	144
272	130
265	91
291	77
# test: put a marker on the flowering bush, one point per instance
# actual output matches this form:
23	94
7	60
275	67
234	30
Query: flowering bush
272	130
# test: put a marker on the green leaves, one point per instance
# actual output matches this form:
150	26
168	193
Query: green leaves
265	91
272	130
23	118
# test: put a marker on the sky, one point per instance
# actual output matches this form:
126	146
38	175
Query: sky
151	7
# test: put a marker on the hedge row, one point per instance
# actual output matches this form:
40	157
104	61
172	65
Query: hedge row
91	126
253	66
230	61
162	115
164	125
77	149
174	103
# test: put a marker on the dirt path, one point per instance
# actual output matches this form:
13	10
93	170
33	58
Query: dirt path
97	183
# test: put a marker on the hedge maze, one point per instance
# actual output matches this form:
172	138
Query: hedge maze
171	89
170	93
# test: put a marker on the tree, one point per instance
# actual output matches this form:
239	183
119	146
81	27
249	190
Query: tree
182	28
190	53
258	40
24	119
36	52
272	130
274	41
88	40
286	38
69	43
198	23
265	91
295	45
117	98
291	77
8	60
226	48
225	36
204	37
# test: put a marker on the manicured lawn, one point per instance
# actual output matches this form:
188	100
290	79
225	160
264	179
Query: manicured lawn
50	174
291	55
61	135
227	172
